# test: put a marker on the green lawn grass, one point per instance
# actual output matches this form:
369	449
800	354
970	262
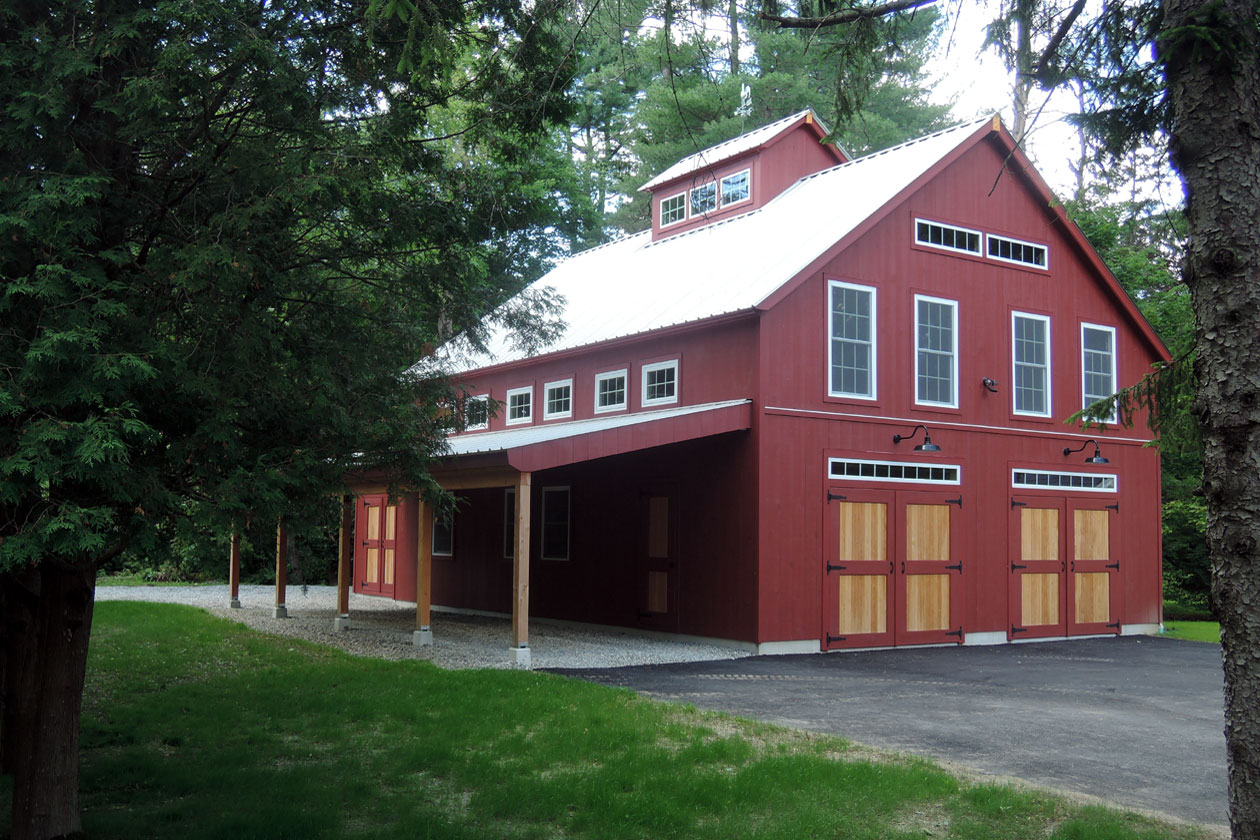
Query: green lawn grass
1194	631
195	727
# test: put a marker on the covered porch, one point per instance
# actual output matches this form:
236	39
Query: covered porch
388	546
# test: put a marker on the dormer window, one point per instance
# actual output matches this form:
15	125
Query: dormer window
735	188
673	209
704	199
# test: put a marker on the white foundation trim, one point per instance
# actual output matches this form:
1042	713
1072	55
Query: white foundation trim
992	637
780	648
1141	629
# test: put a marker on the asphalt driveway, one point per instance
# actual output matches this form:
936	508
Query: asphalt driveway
1137	721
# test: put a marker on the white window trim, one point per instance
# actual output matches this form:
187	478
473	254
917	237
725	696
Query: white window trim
1013	240
1115	380
1113	489
433	540
951	249
724	178
507	402
546	401
485	400
875	465
542	524
624	373
953	304
831	334
643	383
686	197
1049	372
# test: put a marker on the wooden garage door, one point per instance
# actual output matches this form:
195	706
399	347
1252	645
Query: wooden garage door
929	588
859	606
1038	562
1094	571
376	525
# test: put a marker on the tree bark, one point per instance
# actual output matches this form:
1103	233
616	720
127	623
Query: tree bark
47	642
1209	52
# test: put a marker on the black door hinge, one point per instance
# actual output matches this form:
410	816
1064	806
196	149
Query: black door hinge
1015	566
957	633
835	497
1115	507
957	566
831	640
957	501
1116	625
835	567
1115	566
1018	630
1015	504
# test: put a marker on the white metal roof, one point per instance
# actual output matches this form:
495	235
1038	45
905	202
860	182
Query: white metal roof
506	439
635	285
728	149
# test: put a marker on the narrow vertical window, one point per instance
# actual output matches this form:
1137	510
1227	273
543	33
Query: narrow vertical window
610	391
555	523
852	341
558	399
443	537
936	351
1030	346
1098	365
520	405
660	383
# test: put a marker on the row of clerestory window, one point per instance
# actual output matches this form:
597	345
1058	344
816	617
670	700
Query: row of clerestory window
705	198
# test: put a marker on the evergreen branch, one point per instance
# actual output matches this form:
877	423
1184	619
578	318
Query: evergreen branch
850	15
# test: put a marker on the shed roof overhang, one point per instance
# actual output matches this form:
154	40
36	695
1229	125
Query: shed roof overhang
493	456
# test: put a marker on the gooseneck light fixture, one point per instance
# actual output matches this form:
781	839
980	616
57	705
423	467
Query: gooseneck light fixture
1096	458
926	446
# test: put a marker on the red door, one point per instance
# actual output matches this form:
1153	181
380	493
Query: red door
1093	603
929	568
1038	567
376	523
658	560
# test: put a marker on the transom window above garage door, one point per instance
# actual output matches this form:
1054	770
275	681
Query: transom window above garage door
894	471
1047	480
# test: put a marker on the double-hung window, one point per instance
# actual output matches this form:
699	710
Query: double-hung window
1098	365
520	405
935	351
852	349
660	383
610	391
1030	348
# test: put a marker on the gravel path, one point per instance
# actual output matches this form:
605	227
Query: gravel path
382	629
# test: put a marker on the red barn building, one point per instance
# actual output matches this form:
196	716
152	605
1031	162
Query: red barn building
819	405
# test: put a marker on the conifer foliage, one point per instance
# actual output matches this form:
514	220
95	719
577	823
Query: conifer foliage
228	229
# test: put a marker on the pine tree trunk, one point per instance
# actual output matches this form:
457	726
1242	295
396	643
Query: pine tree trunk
1209	52
47	642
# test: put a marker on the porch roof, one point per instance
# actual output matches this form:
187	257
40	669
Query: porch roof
541	447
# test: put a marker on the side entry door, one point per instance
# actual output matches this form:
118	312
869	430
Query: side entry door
657	566
376	524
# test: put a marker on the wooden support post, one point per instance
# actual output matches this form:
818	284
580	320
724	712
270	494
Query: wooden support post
234	571
282	569
423	634
520	574
345	557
